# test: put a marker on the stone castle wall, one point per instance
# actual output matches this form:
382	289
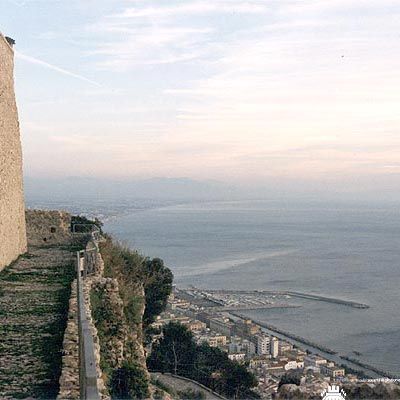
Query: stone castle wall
12	206
48	228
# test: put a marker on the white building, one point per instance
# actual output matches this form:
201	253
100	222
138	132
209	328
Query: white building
274	347
262	344
293	364
237	356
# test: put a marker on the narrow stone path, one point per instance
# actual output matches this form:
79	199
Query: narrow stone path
181	384
34	295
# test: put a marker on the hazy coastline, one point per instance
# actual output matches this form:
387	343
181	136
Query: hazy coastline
330	251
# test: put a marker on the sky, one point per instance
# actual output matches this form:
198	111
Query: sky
241	91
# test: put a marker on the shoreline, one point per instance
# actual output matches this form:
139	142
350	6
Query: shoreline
239	312
345	361
287	334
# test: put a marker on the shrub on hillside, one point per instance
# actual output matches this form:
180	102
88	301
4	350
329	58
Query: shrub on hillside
136	273
129	382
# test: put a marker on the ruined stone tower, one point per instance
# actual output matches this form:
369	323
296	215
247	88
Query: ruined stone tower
12	207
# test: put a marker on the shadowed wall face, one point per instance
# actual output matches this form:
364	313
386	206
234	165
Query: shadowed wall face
12	207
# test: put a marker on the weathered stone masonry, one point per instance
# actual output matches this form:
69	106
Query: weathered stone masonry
48	228
69	380
12	207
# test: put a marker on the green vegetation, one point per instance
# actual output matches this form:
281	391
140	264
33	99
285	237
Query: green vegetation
108	325
177	353
34	321
150	332
125	265
143	284
129	382
157	287
291	378
106	321
134	274
126	378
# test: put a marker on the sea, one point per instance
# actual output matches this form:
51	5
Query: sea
346	251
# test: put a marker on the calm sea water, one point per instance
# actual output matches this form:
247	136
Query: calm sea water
350	252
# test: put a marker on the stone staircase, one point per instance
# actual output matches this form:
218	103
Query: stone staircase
34	295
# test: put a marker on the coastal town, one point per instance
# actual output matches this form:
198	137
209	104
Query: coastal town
211	318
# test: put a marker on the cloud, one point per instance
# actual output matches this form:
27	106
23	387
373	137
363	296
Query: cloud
163	34
62	71
318	7
24	3
129	46
195	8
234	88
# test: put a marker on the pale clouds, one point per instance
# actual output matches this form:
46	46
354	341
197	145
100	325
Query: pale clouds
231	89
165	34
194	8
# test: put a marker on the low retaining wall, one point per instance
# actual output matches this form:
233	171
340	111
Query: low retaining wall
81	376
88	284
69	380
87	363
207	389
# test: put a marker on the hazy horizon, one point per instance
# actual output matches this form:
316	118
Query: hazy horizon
184	189
297	96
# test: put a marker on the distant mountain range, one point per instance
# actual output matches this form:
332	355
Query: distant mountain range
382	190
155	188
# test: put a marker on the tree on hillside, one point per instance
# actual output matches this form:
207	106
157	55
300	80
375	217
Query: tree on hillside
129	382
210	364
175	352
157	280
223	375
238	381
291	377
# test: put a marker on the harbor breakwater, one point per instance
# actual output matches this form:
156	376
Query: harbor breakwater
308	296
328	299
287	334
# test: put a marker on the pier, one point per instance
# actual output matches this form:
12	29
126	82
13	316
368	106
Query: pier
255	307
328	299
308	296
